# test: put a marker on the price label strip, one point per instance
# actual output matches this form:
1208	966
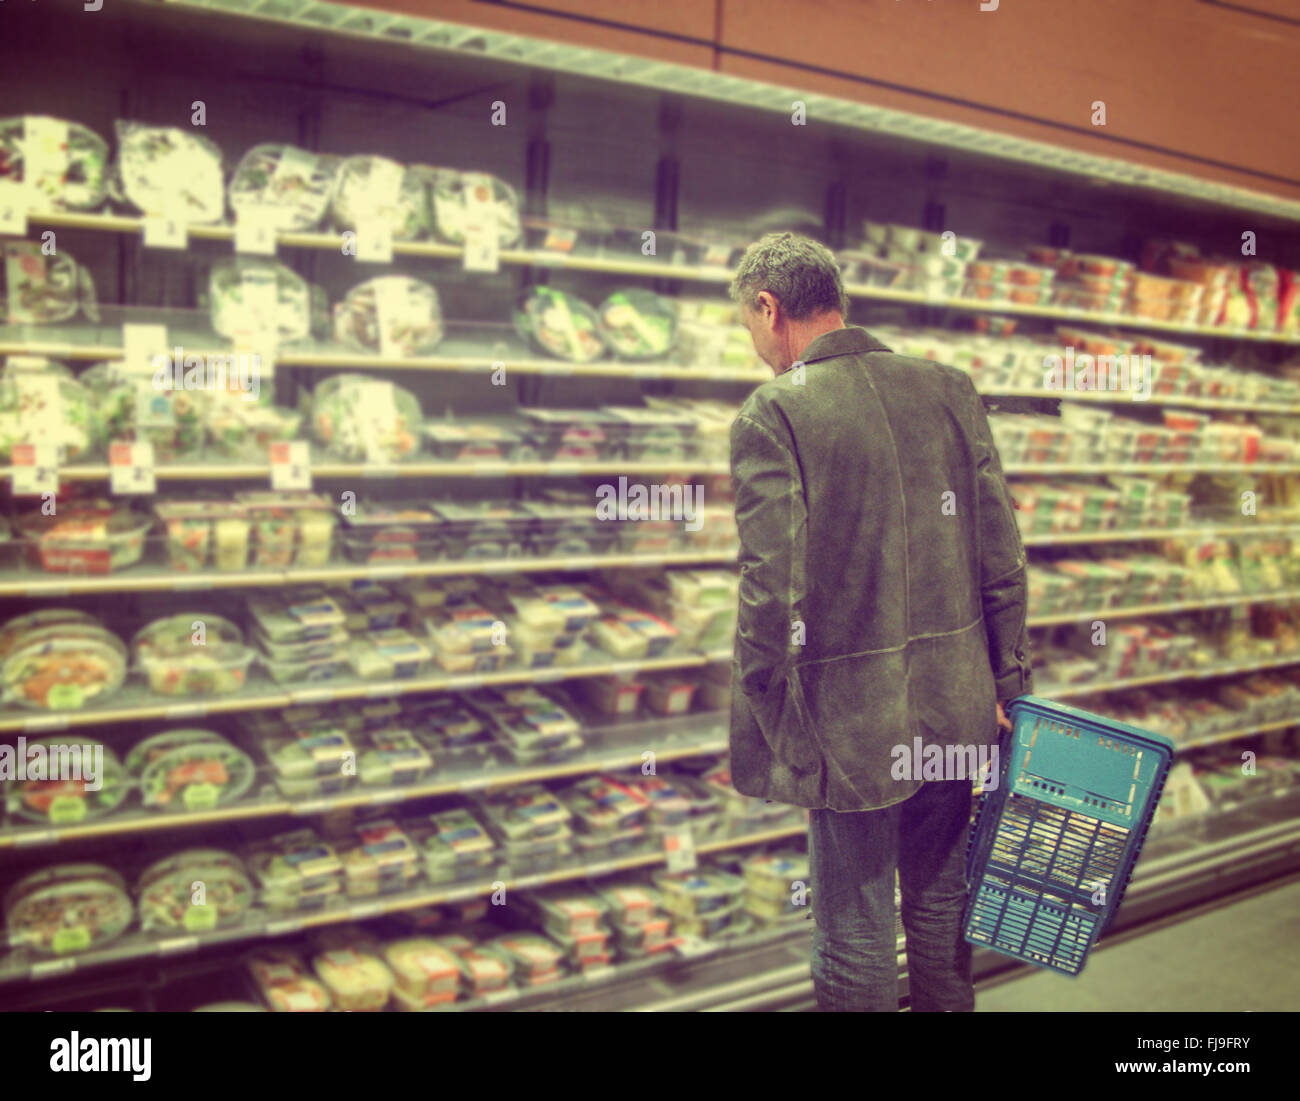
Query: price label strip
131	468
255	234
679	846
140	344
165	232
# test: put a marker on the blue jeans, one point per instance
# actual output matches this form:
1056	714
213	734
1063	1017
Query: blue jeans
855	948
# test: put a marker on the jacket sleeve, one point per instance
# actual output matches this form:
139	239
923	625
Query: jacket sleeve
771	518
1003	586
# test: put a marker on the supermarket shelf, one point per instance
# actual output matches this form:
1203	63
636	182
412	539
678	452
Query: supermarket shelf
648	269
1025	470
226	471
137	704
33	584
1066	691
489	775
1088	538
142	947
1129	611
1122	397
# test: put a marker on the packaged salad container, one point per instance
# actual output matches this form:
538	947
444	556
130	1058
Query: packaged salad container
289	528
473	441
560	324
202	534
190	770
195	654
285	984
240	428
44	408
283	186
67	908
377	532
377	189
573	435
295	871
455	845
653	434
425	973
638	324
89	537
15	631
250	298
169	172
391	315
391	755
379	860
361	419
195	890
534	959
128	407
44	290
453	197
308	759
65	669
67	800
482	529
356	980
564	531
63	164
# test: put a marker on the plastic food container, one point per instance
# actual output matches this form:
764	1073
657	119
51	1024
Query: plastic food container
445	724
285	984
68	908
63	164
190	770
68	799
425	973
653	434
455	196
85	541
483	971
470	442
560	324
563	531
574	435
305	615
205	533
601	805
179	661
391	315
645	939
389	655
628	633
707	924
638	324
283	186
534	959
76	665
381	860
628	904
45	409
774	875
525	813
378	189
308	759
585	949
368	607
455	845
127	407
167	172
168	891
289	528
295	871
569	913
361	419
693	894
391	755
250	298
483	529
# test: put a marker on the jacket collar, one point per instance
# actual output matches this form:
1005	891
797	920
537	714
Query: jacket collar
851	340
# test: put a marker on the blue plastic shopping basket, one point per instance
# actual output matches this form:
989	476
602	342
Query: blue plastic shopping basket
1055	842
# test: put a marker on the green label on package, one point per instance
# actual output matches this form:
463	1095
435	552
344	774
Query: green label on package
65	809
65	697
200	919
201	796
76	939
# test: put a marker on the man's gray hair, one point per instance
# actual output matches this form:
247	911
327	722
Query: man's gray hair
797	271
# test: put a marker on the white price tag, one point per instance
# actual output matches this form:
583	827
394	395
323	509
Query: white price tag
679	846
482	235
254	235
34	837
365	913
290	465
165	232
185	711
599	973
375	241
178	944
35	470
692	947
382	797
53	967
140	343
131	468
282	928
15	202
496	997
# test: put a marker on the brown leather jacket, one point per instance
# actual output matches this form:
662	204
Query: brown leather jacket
882	585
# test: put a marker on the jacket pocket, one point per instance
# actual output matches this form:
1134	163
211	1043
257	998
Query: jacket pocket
783	724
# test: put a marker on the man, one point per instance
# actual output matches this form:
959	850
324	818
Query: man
882	599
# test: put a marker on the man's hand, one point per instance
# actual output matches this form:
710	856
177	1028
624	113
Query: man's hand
1003	721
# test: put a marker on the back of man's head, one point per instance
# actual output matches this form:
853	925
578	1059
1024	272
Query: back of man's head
800	273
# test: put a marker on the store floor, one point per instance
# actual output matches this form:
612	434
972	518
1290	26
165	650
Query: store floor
1243	956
